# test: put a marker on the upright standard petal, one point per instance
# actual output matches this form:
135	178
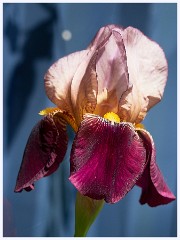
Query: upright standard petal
107	158
58	79
45	150
147	67
84	87
100	81
154	189
102	36
112	72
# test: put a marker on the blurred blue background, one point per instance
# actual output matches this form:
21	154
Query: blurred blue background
32	42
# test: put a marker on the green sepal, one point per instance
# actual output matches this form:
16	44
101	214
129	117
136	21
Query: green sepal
86	211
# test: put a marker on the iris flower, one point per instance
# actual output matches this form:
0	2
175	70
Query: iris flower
103	93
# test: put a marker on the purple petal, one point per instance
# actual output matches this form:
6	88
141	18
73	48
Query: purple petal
106	159
45	150
154	189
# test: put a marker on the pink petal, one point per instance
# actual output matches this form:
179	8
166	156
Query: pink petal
102	36
71	82
154	189
59	77
100	81
147	67
106	159
84	87
45	150
112	73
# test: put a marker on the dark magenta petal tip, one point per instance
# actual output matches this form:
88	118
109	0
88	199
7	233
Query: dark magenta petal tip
154	188
45	150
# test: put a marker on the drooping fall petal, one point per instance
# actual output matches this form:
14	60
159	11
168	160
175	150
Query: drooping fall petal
45	150
107	158
147	68
154	189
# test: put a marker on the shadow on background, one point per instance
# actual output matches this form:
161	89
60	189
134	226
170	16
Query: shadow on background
22	81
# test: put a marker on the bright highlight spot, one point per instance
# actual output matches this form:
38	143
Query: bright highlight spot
66	35
112	117
48	110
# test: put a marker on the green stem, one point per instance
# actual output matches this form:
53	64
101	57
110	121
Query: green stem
86	211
